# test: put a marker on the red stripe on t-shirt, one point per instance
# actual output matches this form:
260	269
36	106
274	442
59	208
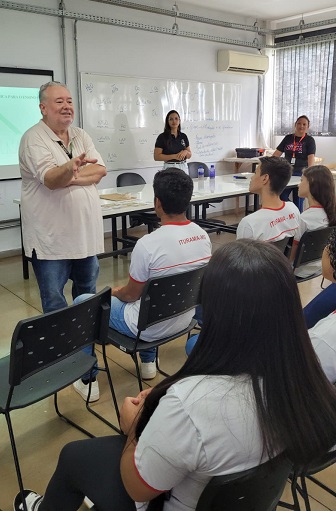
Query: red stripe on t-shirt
186	222
276	209
137	281
181	264
283	232
142	479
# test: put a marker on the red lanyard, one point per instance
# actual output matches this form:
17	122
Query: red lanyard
296	144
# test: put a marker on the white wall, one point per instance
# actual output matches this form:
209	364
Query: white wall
35	41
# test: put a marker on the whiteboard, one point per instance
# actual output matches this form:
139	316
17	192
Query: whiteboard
124	115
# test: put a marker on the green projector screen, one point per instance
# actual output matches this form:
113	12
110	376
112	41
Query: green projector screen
19	110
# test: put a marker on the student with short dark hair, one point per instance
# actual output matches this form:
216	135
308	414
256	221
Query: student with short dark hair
275	219
178	246
251	389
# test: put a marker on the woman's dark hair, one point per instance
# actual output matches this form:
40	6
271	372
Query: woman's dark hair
253	325
331	247
303	117
322	188
167	130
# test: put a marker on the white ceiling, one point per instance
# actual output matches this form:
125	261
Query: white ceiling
267	9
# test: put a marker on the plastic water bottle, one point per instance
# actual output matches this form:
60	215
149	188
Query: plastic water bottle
212	175
201	173
200	179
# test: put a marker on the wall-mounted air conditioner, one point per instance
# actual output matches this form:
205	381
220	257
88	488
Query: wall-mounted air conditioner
236	62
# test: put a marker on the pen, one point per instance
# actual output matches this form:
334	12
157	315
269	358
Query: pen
240	177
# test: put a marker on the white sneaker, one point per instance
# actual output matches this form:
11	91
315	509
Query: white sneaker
33	501
148	370
83	390
88	503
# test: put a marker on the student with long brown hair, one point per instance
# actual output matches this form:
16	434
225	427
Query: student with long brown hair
251	388
317	186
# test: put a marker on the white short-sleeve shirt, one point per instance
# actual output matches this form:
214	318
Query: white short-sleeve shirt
323	338
311	219
203	427
65	223
174	248
269	224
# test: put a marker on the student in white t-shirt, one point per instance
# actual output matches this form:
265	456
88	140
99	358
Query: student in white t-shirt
238	400
275	219
317	186
323	338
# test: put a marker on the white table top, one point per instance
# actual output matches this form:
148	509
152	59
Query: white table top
234	159
224	187
143	196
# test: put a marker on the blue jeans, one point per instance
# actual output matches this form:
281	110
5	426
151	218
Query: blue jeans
191	343
295	194
52	275
117	322
321	306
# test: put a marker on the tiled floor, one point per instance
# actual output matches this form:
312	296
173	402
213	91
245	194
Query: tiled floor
39	433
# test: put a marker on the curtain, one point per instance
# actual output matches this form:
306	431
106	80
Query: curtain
305	84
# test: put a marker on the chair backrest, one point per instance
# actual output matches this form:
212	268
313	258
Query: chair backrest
256	489
311	246
284	245
168	296
44	340
193	168
129	179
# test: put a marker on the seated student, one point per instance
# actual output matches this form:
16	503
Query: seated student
323	338
325	302
238	400
275	219
178	246
317	185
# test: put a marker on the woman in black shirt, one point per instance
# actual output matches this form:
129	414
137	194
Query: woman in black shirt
299	149
172	146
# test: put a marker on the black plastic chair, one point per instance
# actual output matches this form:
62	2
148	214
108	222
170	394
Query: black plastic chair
148	218
46	356
298	481
207	225
162	298
284	245
256	489
310	249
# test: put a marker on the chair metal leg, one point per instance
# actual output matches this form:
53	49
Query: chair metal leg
69	421
16	459
137	368
157	364
105	369
304	493
321	485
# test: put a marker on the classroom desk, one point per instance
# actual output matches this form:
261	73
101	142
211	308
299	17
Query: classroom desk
239	161
223	187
